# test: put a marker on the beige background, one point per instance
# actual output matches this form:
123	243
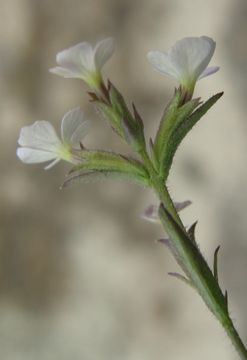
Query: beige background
81	276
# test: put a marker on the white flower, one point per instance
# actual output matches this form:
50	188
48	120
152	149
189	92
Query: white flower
84	62
186	61
39	142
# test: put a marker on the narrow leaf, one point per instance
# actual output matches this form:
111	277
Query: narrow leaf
110	115
118	103
186	110
181	131
109	161
153	154
137	116
226	299
182	205
133	134
191	232
192	262
167	118
129	126
181	277
173	116
93	96
216	263
95	176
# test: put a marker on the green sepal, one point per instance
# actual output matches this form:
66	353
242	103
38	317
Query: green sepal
190	259
153	155
181	130
111	116
91	176
167	119
174	115
105	164
118	103
126	125
133	135
131	125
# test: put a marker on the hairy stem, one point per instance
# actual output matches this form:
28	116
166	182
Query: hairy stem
190	259
158	186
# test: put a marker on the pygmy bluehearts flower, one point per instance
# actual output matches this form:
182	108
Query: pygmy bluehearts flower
84	62
39	142
186	61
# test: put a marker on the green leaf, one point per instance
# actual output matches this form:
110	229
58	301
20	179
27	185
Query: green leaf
92	176
216	262
189	257
181	277
105	164
133	135
128	126
131	125
166	122
118	103
111	116
191	231
181	131
106	160
173	116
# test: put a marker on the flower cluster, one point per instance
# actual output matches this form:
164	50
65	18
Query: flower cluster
186	61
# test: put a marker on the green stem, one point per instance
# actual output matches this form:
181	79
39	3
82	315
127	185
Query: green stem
236	340
158	186
189	257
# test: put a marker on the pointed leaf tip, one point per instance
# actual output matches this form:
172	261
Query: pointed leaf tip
164	241
216	262
137	116
180	277
226	299
182	129
191	231
109	84
93	96
182	205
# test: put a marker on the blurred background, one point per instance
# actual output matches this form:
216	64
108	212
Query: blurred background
81	276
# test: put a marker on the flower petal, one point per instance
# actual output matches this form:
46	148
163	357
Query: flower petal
66	73
78	58
103	51
209	71
186	60
41	135
32	156
162	63
53	163
73	126
191	55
